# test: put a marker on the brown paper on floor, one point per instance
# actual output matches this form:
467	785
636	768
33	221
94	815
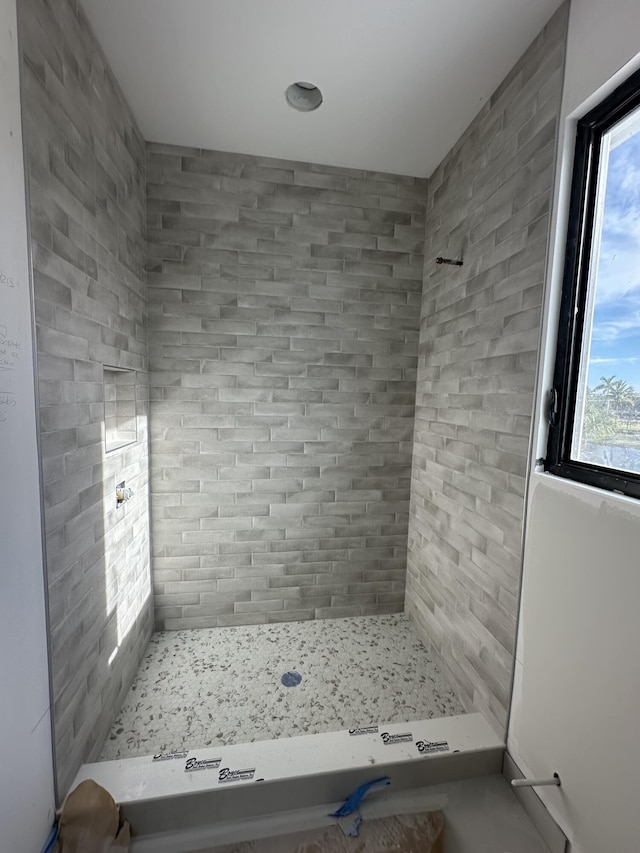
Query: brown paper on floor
90	821
410	833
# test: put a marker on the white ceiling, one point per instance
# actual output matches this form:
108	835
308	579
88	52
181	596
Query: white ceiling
401	79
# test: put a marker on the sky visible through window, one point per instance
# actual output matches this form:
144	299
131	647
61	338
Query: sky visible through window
615	342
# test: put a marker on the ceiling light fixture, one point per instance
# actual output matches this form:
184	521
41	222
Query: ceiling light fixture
304	97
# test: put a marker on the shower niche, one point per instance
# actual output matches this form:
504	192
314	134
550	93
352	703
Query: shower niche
120	426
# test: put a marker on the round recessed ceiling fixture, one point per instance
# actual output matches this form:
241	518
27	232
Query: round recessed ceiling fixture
304	97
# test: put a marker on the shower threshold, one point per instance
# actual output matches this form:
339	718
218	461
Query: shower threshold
184	803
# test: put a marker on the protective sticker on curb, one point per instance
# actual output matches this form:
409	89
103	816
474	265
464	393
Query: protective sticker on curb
364	730
206	764
168	756
426	747
389	740
227	775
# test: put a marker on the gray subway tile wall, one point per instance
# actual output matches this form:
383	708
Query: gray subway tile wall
86	162
488	201
285	306
284	303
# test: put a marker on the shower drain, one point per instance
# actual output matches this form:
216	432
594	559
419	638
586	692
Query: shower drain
291	679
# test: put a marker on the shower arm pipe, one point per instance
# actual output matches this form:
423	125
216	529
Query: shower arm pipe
441	260
536	783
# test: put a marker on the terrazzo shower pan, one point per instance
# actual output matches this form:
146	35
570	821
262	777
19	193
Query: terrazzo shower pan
223	686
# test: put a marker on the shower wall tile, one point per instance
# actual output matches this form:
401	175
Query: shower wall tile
86	162
488	202
284	303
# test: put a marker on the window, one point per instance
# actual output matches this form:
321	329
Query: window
594	407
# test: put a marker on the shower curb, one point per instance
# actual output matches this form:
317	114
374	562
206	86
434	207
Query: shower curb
248	781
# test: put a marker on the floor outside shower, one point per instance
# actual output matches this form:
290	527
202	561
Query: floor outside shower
222	686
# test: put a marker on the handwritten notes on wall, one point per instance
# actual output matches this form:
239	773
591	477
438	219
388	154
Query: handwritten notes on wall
26	773
11	350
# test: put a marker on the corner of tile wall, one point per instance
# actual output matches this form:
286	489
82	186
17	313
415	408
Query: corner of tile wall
488	202
86	172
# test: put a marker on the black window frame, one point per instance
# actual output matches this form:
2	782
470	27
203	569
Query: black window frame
562	397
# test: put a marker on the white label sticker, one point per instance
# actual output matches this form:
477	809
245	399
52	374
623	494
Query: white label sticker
388	739
169	756
227	775
206	764
364	730
425	747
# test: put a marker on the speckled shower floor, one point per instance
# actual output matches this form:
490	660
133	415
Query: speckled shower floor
219	686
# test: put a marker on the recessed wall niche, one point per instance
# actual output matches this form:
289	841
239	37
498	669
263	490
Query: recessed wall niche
120	426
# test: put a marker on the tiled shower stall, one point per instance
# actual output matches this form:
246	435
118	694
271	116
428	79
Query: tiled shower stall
275	316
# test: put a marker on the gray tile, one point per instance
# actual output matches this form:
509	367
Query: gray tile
96	280
274	330
476	367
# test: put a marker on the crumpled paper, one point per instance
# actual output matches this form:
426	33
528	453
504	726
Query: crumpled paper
90	822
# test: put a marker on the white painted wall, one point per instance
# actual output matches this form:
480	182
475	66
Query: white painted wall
577	685
26	773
